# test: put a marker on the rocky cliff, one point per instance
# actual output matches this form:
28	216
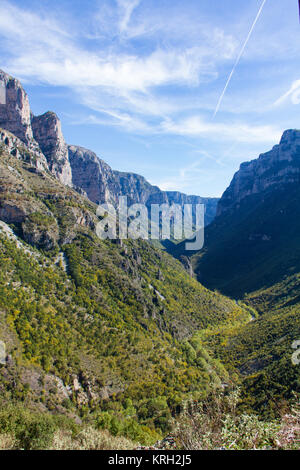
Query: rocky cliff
41	135
47	132
101	183
279	166
15	112
76	166
15	116
254	241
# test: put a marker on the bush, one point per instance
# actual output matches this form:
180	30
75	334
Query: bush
216	424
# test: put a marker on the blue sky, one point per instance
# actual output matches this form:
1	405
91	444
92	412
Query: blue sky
138	81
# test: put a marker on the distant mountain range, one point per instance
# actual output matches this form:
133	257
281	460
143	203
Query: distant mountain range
118	330
92	329
76	166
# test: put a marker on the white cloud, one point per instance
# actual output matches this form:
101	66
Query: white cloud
195	126
127	7
126	86
293	93
45	51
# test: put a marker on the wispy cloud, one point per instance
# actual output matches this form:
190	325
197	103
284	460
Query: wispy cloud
293	94
45	51
195	126
125	86
126	7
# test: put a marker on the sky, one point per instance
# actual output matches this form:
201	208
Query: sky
139	81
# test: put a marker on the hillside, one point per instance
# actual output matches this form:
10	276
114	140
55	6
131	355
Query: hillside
254	241
252	252
89	325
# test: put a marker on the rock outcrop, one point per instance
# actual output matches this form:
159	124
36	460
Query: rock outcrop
15	112
102	184
92	175
18	149
47	132
2	353
279	166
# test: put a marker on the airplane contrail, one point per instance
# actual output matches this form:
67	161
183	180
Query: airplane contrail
239	58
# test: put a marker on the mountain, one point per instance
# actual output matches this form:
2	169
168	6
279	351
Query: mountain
270	172
252	252
79	167
254	241
48	134
116	335
95	319
95	331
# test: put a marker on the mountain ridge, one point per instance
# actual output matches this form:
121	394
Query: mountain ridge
74	165
281	165
253	241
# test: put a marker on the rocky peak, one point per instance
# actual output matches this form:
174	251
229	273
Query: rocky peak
47	132
273	169
15	111
41	135
74	165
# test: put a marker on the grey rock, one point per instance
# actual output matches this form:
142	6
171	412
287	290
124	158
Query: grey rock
102	184
15	115
2	353
275	168
47	132
92	175
76	166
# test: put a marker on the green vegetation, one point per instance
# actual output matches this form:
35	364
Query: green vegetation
106	341
21	428
252	253
216	423
96	329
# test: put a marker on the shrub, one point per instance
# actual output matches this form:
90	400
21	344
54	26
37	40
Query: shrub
216	424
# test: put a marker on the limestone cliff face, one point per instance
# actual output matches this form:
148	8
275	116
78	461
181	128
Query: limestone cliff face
15	112
102	184
18	149
72	165
15	115
47	132
92	175
279	166
41	135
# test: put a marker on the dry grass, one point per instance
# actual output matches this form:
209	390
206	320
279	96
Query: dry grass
216	424
88	439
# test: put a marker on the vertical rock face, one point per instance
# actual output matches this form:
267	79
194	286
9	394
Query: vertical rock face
15	117
279	166
15	112
41	135
102	184
47	132
92	175
2	353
